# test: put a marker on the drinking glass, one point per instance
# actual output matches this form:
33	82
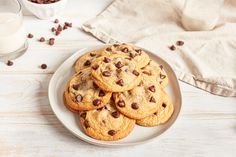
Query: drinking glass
201	15
13	41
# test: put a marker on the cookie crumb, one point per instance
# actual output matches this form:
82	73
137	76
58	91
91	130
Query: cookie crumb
172	47
43	66
9	63
30	35
179	43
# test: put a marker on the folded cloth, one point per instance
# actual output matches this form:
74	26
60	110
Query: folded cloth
207	59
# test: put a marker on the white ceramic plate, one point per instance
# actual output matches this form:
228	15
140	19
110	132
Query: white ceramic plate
70	120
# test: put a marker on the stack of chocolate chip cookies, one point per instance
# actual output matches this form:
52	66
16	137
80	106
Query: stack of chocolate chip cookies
115	88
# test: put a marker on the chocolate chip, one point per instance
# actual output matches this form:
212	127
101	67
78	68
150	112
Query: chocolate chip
87	63
53	29
65	27
172	47
121	103
112	132
106	73
147	73
92	54
152	88
119	65
95	67
68	24
95	85
125	50
134	105
155	113
59	28
108	49
86	124
120	82
162	76
51	41
42	39
164	105
100	109
97	102
30	35
43	66
79	98
101	93
56	21
179	43
57	33
9	63
135	72
106	60
152	99
115	114
76	86
83	115
161	66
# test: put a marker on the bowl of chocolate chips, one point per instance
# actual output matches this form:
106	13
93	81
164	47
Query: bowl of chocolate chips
45	9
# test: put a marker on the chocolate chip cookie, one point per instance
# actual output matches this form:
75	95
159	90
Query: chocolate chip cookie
86	60
138	55
162	115
115	73
156	72
83	94
106	123
141	101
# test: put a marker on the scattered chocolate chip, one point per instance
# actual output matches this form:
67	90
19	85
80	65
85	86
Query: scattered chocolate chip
164	105
112	132
106	60
152	99
121	103
125	50
79	98
95	85
9	63
120	82
56	21
152	88
161	66
100	109
30	35
108	49
53	29
83	115
101	93
42	39
172	47
106	73
115	114
65	27
43	1
147	73
87	63
105	107
155	113
162	76
68	24
135	72
51	41
95	67
92	54
43	66
59	28
97	102
179	43
76	86
134	105
119	65
57	33
86	124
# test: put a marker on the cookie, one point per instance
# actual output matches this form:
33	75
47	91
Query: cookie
162	115
115	73
139	56
156	72
141	101
83	94
86	60
106	123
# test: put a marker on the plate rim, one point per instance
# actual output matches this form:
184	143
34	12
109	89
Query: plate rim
105	143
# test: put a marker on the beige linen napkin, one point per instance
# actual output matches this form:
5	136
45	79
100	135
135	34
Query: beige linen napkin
207	60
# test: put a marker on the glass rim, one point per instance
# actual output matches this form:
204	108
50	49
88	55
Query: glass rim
18	11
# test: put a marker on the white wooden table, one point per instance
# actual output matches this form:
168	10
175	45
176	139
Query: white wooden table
28	127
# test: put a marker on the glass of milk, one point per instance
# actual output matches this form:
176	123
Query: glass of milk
201	15
13	42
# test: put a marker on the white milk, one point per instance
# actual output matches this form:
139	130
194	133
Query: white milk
12	33
201	15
